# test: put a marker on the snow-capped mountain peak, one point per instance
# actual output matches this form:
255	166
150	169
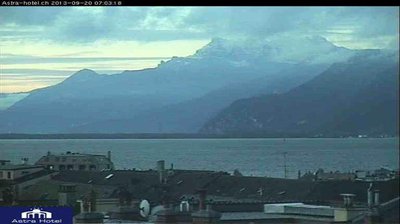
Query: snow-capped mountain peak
282	49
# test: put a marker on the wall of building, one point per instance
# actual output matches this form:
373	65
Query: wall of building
310	211
24	172
71	162
14	174
346	214
103	205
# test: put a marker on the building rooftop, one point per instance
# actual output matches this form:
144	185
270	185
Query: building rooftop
237	216
18	167
68	153
299	205
98	162
223	187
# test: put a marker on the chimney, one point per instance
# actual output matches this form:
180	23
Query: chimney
370	196
161	170
202	199
92	200
205	215
376	197
109	155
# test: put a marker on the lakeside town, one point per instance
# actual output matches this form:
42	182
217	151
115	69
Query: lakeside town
98	193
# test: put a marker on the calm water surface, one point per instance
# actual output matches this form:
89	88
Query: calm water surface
258	157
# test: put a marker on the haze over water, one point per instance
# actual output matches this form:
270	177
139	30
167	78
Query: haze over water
258	157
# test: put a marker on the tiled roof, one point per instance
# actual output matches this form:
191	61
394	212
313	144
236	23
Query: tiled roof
145	185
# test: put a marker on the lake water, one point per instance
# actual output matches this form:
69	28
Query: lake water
258	157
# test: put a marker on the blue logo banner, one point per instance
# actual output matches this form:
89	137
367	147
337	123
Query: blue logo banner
36	215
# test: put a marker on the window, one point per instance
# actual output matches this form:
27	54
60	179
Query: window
63	159
8	175
61	167
92	167
82	167
70	167
57	159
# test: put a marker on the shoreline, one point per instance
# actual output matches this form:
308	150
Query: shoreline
177	136
173	136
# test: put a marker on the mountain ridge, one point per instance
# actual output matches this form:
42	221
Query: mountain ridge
316	103
179	95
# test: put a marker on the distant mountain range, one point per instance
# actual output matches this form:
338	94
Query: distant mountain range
205	92
356	97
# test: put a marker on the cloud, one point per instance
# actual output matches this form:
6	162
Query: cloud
30	16
345	22
79	25
13	59
53	41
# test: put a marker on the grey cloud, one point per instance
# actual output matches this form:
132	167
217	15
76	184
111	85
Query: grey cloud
173	23
244	20
271	20
30	15
36	74
371	21
26	59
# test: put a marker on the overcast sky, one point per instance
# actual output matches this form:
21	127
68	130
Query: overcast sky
40	46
